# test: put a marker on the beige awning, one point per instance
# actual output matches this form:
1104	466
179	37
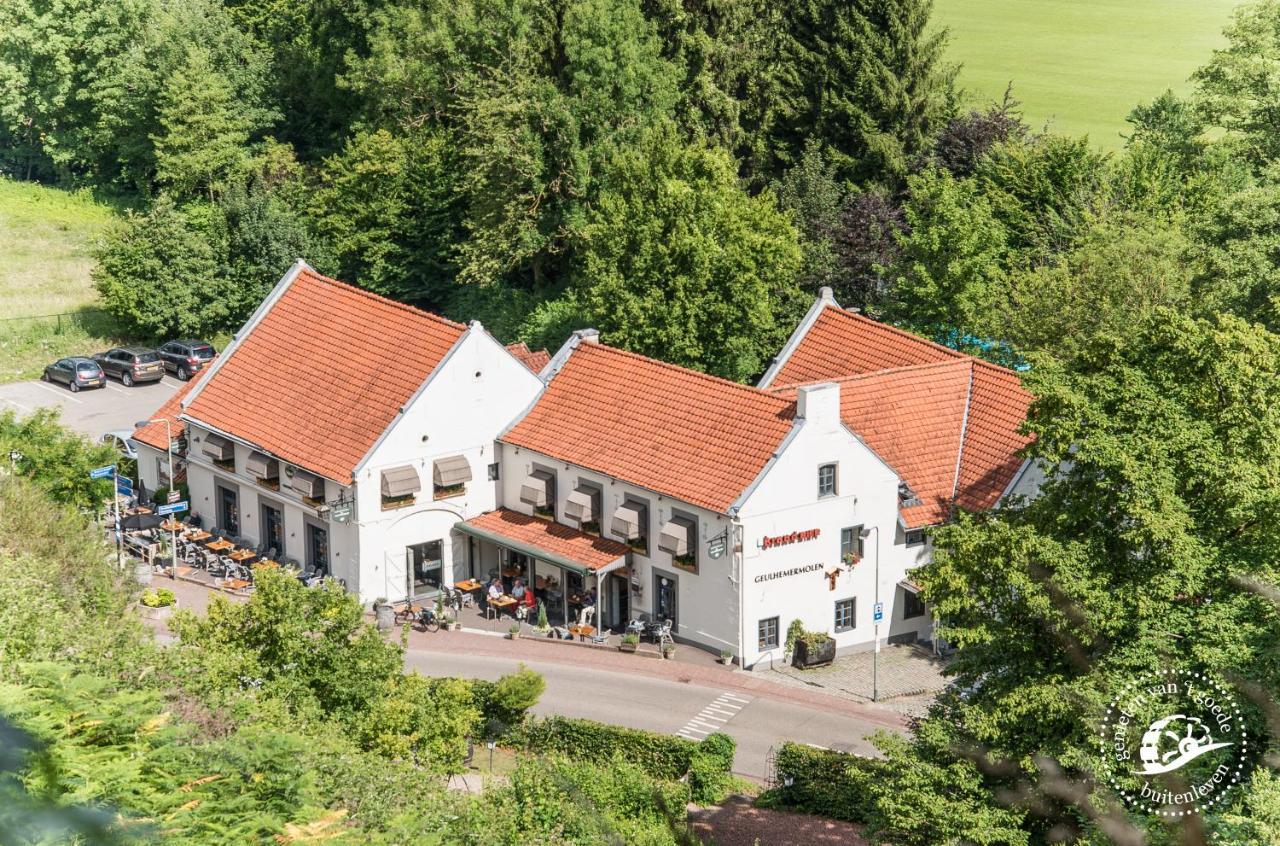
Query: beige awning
307	484
536	490
581	505
627	520
262	466
400	481
677	535
218	448
450	471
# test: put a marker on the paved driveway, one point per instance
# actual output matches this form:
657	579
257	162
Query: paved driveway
91	412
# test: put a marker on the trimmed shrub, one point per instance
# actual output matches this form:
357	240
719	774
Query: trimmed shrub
504	703
710	767
821	782
659	755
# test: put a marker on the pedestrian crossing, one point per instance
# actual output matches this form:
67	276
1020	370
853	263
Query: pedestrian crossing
721	710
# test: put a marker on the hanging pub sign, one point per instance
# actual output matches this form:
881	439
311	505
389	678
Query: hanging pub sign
716	546
769	542
340	510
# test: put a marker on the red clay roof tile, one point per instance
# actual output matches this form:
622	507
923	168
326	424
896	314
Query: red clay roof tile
153	434
323	374
535	360
841	344
662	427
555	538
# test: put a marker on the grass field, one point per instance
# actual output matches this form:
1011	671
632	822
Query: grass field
1081	65
46	242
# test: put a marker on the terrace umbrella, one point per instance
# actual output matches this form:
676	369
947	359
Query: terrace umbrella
139	522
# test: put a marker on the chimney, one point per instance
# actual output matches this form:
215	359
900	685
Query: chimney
588	336
819	404
826	294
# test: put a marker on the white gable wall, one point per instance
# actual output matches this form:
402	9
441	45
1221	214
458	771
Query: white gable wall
478	390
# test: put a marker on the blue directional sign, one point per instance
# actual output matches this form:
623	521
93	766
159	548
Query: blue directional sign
171	508
124	485
877	613
101	472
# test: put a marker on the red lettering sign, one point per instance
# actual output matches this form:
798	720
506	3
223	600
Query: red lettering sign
784	540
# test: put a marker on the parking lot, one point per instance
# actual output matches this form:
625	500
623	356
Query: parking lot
91	411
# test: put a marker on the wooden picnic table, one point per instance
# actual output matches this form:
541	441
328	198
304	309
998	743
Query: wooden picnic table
221	545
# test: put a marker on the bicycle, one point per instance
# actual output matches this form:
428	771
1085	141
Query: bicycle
428	621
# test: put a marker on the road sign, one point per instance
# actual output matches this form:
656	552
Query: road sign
878	613
172	508
175	496
101	472
124	486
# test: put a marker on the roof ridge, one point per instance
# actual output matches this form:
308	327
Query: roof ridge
862	318
888	371
964	434
666	365
308	270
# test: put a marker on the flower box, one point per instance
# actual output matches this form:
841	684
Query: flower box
813	652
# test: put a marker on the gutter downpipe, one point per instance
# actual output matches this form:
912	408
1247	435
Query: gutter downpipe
735	578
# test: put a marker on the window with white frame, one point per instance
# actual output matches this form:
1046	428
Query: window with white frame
827	480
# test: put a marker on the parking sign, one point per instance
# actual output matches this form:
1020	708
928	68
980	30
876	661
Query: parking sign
878	613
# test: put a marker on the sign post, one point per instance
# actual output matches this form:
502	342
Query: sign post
171	508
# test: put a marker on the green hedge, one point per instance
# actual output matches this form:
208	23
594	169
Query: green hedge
710	767
820	782
660	755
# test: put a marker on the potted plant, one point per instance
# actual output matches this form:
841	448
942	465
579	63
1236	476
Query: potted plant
726	656
629	642
668	650
543	624
383	614
851	559
814	649
514	631
794	631
158	604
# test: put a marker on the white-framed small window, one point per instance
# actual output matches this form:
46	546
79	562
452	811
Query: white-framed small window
767	630
826	480
846	614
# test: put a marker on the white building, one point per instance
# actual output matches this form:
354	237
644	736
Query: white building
349	433
402	451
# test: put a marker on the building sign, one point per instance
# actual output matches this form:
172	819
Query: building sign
340	511
790	571
716	546
785	540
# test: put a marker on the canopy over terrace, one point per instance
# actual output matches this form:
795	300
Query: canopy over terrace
547	547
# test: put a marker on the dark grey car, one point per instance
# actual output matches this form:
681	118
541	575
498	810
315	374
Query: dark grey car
185	359
132	365
75	373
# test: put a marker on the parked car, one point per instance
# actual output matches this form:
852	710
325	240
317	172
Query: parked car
132	365
185	359
75	373
121	439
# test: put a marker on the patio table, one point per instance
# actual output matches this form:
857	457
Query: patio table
468	585
172	526
241	555
199	536
221	546
502	603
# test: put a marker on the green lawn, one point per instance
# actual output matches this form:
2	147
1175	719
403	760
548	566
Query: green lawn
1080	65
46	241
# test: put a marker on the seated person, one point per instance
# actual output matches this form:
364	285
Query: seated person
495	589
530	601
195	521
518	589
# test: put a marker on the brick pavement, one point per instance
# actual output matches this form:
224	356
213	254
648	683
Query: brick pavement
910	677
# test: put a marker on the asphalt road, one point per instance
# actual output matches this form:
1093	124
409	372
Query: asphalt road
91	411
689	710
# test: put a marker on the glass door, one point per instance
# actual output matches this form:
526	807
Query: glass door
272	528
318	547
665	590
426	567
228	510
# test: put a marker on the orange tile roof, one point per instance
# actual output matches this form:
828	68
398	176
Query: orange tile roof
555	539
680	433
154	434
323	374
535	360
840	345
843	343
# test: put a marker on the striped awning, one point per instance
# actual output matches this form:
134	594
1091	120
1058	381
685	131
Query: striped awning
450	471
677	535
581	505
307	484
536	490
400	481
218	448
627	520
262	466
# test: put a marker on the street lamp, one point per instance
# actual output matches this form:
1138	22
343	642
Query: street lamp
875	656
173	485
